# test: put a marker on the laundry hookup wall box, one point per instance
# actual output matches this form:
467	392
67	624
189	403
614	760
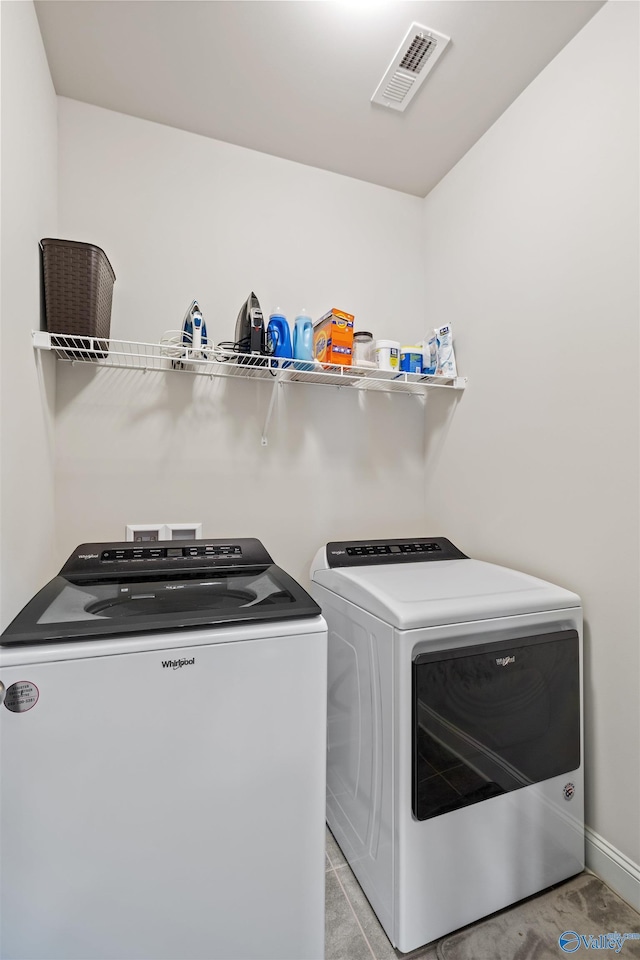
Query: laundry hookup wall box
164	531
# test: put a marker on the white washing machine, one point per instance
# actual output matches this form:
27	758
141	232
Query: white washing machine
162	783
454	751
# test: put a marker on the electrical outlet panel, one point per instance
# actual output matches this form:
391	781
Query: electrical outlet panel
184	531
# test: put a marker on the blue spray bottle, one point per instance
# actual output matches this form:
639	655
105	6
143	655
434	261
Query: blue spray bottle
303	341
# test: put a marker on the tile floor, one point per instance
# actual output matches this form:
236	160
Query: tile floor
354	933
352	928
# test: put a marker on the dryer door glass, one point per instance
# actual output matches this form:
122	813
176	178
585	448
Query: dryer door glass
493	718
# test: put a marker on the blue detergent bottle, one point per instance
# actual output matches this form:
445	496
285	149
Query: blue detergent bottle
303	340
279	334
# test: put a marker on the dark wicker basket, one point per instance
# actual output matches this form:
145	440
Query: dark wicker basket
78	288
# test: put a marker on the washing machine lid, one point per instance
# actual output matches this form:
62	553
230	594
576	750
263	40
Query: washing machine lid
413	593
107	589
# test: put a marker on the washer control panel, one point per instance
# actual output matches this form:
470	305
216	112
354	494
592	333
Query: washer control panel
231	550
358	553
94	561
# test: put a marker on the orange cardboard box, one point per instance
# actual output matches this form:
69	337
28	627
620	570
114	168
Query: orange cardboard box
333	338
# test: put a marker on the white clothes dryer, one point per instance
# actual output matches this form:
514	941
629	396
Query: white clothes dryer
455	731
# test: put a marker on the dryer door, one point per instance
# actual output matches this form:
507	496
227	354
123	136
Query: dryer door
493	718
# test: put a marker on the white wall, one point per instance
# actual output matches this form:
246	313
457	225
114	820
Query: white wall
532	254
181	216
29	211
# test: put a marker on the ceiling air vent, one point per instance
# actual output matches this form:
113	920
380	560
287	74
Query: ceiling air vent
408	70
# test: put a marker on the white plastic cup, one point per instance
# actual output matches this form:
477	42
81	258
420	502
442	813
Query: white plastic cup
388	354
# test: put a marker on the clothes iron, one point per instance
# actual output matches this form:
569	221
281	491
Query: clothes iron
194	332
250	327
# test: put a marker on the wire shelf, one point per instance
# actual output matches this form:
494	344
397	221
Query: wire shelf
218	362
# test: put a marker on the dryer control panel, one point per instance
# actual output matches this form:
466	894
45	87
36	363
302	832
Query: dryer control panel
359	553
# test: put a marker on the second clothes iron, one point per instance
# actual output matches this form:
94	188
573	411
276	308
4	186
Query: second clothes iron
250	327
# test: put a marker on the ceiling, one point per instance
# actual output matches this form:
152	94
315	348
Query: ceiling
294	78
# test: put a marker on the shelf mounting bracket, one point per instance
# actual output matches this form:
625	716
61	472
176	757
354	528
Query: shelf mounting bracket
276	384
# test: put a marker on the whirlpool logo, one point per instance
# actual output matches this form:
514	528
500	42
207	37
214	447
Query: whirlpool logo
505	661
176	664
